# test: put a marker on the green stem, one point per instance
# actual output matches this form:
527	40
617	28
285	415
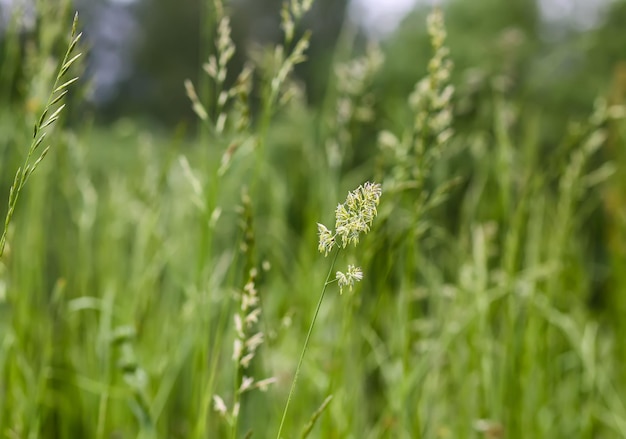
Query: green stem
54	98
306	344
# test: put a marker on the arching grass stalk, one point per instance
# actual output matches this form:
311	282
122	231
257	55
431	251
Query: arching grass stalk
46	121
352	218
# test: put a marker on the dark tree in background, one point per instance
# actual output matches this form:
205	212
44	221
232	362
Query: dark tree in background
141	52
168	53
174	39
259	21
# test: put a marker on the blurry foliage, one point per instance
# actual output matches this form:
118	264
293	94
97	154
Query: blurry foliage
167	53
499	50
493	43
487	310
501	46
175	41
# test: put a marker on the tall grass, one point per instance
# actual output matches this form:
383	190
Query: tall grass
152	290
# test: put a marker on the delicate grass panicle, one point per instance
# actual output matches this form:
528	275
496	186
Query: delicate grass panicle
282	61
355	216
247	340
248	335
217	69
50	115
433	94
414	153
291	14
354	103
352	218
347	279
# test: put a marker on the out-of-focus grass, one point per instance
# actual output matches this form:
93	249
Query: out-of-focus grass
130	249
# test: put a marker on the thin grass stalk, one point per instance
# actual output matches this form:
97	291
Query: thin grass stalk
45	120
309	427
306	343
106	316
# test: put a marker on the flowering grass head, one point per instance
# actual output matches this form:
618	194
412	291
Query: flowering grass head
347	279
327	239
352	218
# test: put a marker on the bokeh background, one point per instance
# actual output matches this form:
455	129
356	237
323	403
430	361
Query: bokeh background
140	51
494	290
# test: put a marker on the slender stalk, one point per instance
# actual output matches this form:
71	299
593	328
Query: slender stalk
41	128
306	344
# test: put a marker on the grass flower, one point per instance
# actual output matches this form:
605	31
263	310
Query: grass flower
353	217
219	405
246	324
347	279
327	239
47	120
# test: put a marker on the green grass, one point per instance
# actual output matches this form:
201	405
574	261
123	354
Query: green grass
130	250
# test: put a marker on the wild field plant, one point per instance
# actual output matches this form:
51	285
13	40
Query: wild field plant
50	114
227	112
23	417
352	218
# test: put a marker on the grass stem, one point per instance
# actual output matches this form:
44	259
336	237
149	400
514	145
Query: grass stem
306	344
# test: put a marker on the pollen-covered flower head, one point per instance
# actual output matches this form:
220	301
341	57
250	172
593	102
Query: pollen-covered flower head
327	240
355	216
348	279
352	218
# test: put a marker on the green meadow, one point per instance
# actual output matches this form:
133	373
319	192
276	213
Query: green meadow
434	244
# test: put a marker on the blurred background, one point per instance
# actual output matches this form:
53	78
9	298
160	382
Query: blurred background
558	53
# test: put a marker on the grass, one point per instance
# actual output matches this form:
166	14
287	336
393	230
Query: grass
135	260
